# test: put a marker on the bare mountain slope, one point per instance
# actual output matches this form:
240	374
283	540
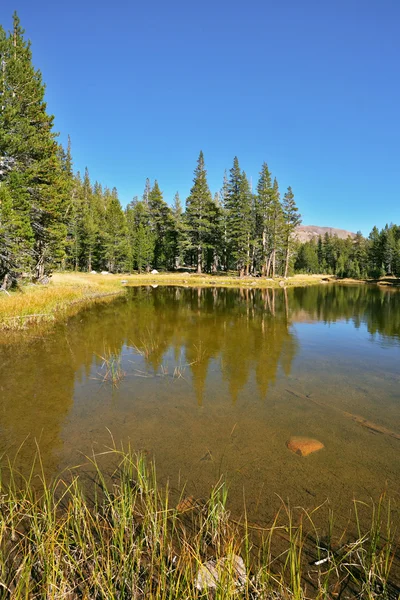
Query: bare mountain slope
305	233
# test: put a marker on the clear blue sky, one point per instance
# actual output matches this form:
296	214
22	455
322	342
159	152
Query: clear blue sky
312	87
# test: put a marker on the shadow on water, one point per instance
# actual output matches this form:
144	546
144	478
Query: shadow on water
208	389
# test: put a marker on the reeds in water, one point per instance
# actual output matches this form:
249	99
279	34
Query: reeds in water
125	537
111	369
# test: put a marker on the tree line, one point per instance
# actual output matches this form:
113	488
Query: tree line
358	257
52	218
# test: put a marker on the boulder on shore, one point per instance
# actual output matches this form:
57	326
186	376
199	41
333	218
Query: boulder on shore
304	446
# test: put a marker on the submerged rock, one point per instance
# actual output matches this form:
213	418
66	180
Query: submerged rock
304	446
209	573
207	456
188	503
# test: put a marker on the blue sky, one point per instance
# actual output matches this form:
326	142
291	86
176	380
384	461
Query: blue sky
312	87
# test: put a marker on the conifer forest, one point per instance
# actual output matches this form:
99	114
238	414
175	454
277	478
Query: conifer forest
53	218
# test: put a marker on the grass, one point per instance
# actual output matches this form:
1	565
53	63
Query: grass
125	537
111	370
44	304
67	293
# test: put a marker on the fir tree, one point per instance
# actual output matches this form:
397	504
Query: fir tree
223	197
162	227
238	208
291	219
263	203
31	154
181	241
276	226
140	236
198	213
146	193
115	234
89	224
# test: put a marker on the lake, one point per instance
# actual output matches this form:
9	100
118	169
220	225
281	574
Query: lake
215	383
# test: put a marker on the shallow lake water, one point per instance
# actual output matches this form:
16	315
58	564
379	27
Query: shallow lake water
216	382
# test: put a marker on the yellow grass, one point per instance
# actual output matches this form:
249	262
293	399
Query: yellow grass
68	292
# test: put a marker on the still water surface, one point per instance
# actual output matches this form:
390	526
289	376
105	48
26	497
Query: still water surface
217	380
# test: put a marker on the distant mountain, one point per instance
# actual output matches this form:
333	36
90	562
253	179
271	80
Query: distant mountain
305	233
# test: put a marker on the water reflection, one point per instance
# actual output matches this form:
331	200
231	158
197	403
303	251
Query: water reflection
201	363
377	308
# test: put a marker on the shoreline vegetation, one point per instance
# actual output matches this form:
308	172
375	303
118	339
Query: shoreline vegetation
53	218
67	293
123	535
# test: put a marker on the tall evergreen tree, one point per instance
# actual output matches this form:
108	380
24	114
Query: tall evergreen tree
276	226
223	197
28	147
162	228
89	224
263	205
115	234
198	213
291	219
238	208
181	241
146	193
140	235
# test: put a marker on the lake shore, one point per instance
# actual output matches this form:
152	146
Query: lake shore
68	293
127	536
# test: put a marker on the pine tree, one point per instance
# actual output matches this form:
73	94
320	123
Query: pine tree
263	203
291	219
238	208
321	255
181	241
360	253
375	252
223	196
28	148
389	248
146	193
162	228
198	213
215	238
115	233
89	225
140	236
276	225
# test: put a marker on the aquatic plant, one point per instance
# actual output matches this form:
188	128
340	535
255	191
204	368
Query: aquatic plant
111	370
125	537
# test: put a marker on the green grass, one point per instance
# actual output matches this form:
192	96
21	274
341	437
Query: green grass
111	370
67	293
124	537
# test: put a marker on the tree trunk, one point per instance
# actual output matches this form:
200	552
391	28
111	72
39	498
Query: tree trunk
287	261
199	256
40	268
264	253
268	266
5	284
